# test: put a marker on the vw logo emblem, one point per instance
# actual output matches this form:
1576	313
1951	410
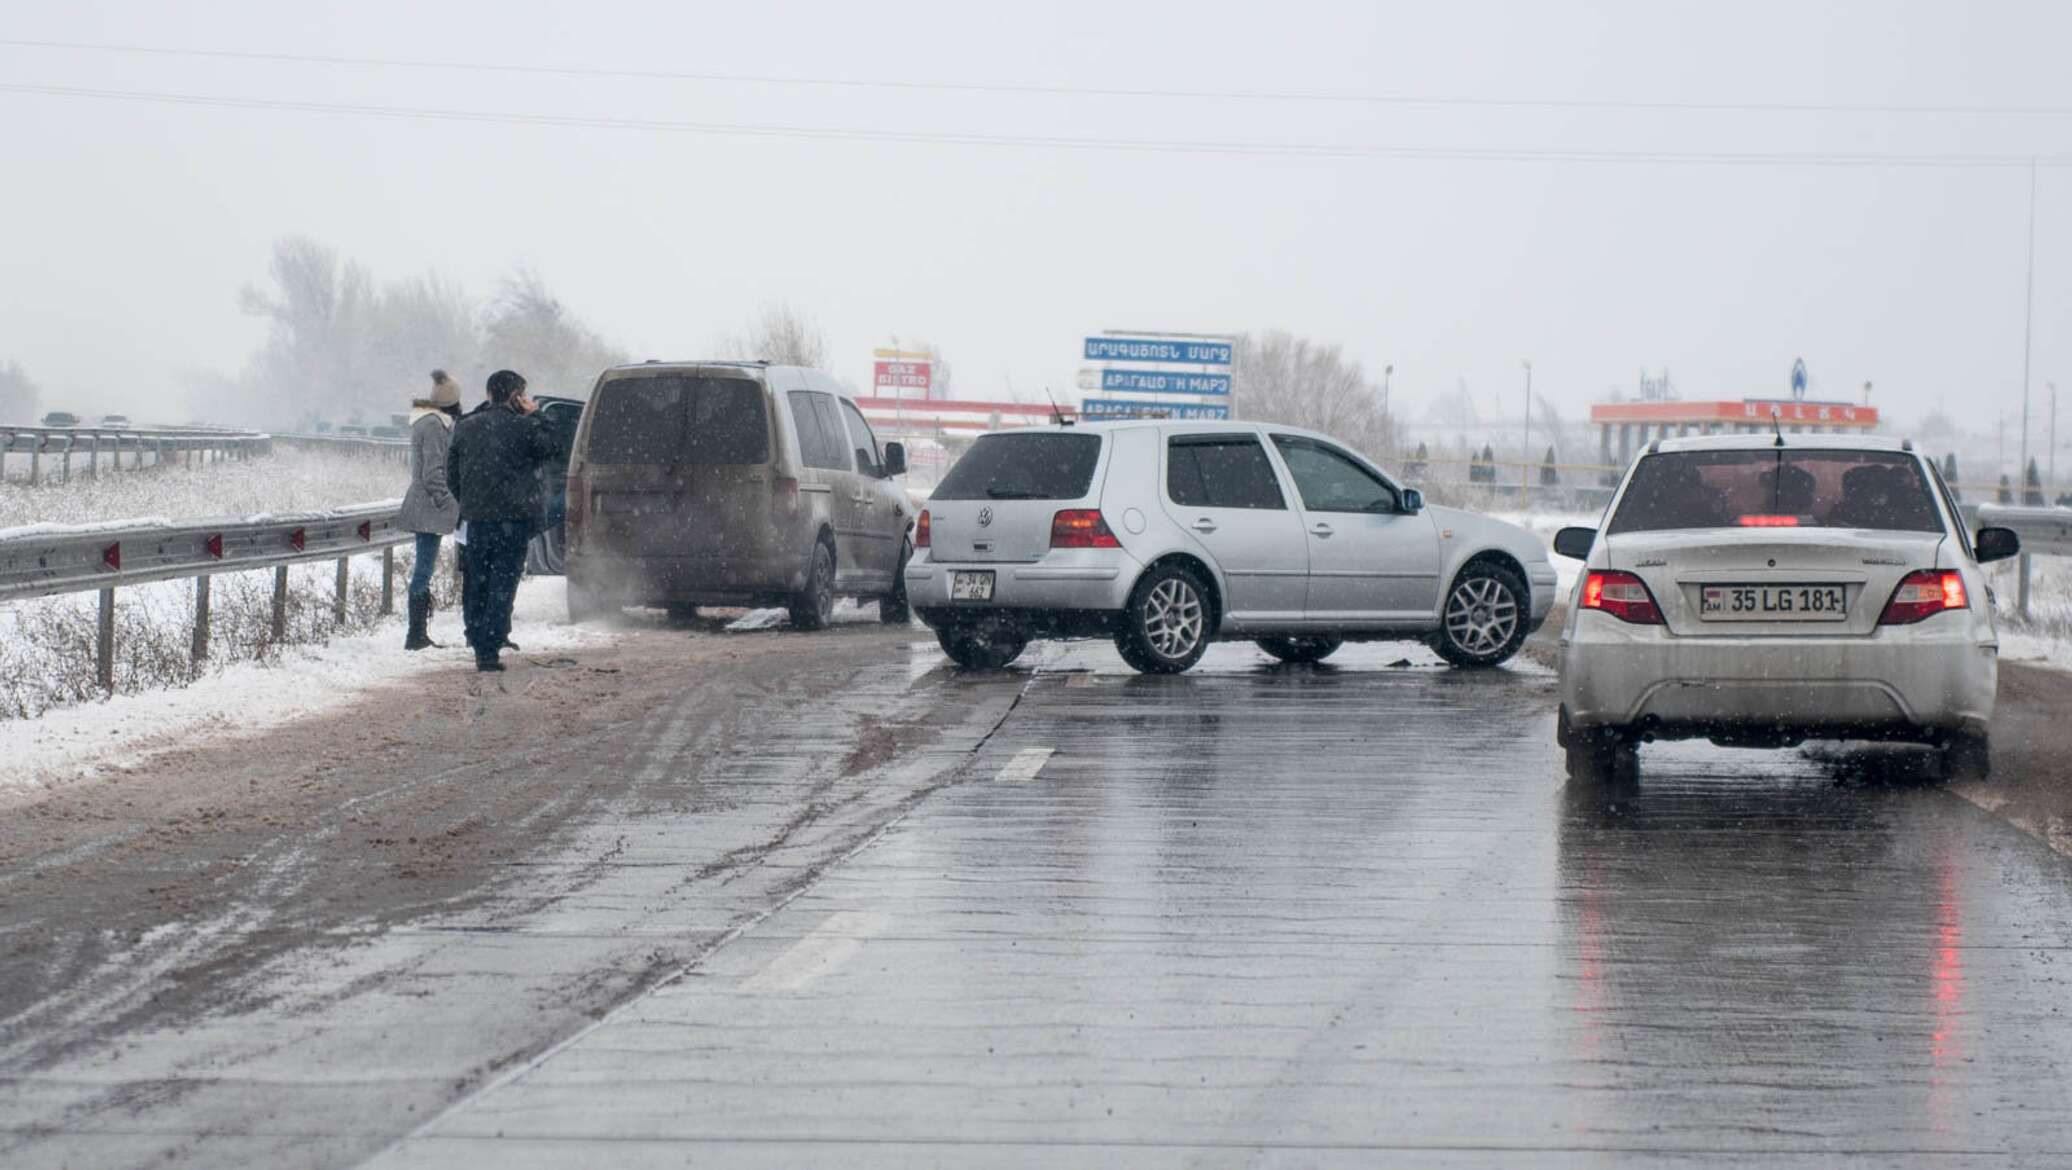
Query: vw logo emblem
985	517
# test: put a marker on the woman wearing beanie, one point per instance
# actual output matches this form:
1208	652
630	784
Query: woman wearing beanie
429	508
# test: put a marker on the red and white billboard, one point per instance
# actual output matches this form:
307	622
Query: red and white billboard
903	377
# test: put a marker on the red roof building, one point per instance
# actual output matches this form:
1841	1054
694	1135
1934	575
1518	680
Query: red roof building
1626	427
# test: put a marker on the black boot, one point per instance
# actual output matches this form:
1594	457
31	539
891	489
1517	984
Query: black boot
420	615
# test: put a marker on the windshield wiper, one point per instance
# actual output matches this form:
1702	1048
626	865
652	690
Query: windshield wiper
1000	493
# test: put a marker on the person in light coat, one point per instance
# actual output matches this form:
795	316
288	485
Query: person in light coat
429	508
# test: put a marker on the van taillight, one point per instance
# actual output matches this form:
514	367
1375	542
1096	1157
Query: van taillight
1925	593
784	491
921	533
1622	595
1081	528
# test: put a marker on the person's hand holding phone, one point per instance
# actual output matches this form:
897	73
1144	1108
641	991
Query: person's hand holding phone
523	402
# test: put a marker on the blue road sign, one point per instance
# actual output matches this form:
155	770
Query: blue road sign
1096	409
1149	349
1164	382
1798	378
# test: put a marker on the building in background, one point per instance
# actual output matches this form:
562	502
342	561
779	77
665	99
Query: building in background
1626	427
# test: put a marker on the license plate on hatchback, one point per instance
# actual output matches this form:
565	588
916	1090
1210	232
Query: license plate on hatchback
973	586
1773	603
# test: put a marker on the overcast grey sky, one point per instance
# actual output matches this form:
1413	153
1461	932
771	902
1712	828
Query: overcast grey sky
131	224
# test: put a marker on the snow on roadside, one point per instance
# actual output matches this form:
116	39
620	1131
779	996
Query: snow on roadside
87	740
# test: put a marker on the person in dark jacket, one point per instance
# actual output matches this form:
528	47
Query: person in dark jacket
429	509
493	468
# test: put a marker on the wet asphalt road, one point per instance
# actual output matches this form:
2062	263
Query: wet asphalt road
1251	916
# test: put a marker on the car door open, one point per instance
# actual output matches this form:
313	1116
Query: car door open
1221	487
1370	562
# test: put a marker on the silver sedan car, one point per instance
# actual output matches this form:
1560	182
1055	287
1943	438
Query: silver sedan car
1168	535
1763	590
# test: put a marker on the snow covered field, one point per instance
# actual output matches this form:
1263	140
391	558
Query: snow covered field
287	481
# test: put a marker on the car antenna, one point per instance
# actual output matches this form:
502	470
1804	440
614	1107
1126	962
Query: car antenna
1777	426
1057	413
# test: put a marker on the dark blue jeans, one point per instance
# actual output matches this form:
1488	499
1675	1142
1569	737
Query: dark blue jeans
427	560
496	559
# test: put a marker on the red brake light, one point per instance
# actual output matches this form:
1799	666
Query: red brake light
785	489
1925	593
921	530
1768	521
1081	528
1622	595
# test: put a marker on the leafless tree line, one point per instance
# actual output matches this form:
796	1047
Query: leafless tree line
1293	380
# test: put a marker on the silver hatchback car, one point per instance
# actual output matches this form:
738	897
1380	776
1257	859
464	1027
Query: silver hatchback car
1169	535
1762	590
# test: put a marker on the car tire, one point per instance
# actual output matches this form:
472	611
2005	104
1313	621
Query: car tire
893	608
547	554
680	614
1483	619
1165	625
814	608
1302	648
982	647
586	605
1600	756
1967	757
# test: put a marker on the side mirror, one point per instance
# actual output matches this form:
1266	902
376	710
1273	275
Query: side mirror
1996	544
895	460
1413	501
1574	543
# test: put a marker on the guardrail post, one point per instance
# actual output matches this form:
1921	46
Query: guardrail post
93	455
104	644
199	650
344	581
65	473
388	580
158	460
138	463
36	461
280	604
2022	590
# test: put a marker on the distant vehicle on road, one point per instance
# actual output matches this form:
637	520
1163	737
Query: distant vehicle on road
1762	590
61	418
387	432
353	430
1167	536
115	420
732	483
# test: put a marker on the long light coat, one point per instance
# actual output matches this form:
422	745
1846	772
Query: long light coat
429	505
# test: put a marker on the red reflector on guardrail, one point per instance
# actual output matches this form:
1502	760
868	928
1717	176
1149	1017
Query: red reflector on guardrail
296	540
112	556
366	530
215	546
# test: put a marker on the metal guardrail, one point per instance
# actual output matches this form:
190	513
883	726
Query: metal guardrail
396	449
163	444
41	561
2043	532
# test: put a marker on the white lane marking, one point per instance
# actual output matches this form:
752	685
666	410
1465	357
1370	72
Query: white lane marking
1025	764
831	944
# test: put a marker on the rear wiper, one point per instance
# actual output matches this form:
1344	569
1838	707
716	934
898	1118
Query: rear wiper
1000	493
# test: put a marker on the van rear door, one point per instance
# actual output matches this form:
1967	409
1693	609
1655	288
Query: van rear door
680	465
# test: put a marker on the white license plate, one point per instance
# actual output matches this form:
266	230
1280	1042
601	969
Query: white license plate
976	586
1773	603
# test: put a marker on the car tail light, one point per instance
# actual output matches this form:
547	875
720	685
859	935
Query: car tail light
1622	595
1081	528
1924	594
784	491
921	532
1768	521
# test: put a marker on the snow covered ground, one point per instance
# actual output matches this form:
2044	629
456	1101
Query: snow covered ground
287	481
247	698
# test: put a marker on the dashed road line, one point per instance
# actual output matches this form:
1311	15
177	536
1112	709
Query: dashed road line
834	942
1025	764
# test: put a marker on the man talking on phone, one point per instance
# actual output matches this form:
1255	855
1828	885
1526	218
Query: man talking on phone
493	467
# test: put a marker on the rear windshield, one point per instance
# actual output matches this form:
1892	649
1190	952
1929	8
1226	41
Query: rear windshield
671	418
1045	466
1777	487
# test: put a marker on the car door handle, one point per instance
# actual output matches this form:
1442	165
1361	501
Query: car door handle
1205	525
1321	529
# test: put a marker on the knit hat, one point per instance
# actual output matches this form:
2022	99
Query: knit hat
445	391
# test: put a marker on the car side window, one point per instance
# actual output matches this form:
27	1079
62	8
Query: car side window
869	458
1949	500
837	453
1331	480
818	446
1221	471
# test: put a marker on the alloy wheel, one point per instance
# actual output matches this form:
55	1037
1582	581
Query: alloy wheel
1174	618
1481	615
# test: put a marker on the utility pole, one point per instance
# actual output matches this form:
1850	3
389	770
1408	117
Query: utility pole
1525	459
2053	438
1388	420
2028	323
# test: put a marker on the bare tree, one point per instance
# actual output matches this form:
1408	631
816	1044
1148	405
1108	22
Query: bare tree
20	396
781	333
316	355
529	330
1288	379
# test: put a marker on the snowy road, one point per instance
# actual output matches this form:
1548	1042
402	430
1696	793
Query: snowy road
762	898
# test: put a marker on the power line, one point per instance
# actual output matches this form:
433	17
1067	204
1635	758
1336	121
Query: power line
1316	150
1009	88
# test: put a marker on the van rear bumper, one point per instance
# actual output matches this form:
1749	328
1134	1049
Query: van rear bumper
735	580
